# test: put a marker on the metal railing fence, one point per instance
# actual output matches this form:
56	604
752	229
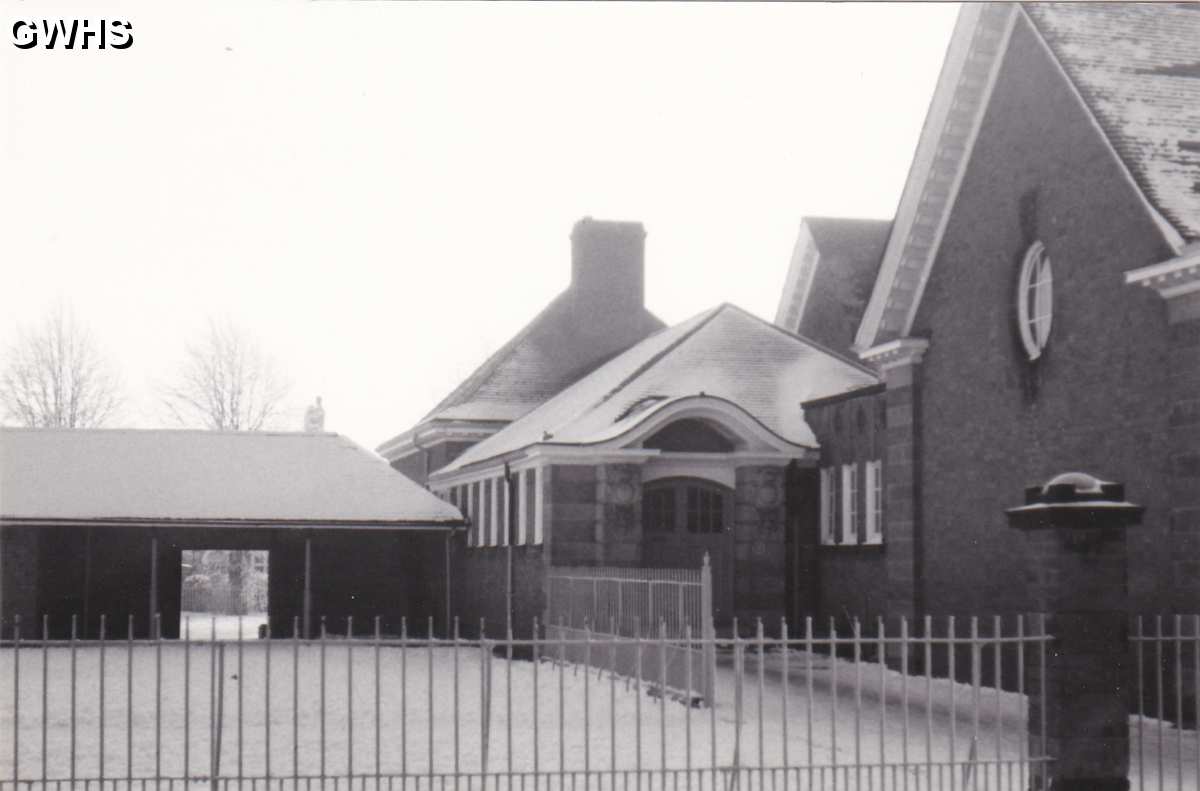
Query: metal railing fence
1165	733
630	601
799	709
669	605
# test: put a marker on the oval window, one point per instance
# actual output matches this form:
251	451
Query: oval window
1035	300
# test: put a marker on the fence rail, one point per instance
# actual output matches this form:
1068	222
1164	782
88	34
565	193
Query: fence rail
1165	737
631	601
802	709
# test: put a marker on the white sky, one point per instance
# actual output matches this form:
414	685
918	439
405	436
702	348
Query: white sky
382	193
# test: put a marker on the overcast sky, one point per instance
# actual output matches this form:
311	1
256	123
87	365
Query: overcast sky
382	193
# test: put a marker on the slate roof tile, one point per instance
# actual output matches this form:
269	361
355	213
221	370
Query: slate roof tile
1137	66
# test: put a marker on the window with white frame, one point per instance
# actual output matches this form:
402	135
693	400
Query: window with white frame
873	489
538	504
852	504
502	511
829	505
492	531
472	492
1035	300
849	504
522	507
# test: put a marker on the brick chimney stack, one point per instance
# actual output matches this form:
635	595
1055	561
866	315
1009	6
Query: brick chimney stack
608	261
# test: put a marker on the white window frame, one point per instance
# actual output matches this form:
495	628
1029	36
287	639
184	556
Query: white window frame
522	508
502	510
873	489
491	531
480	514
538	506
1035	300
829	509
469	510
849	504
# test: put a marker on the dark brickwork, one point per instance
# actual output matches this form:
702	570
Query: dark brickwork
619	500
990	422
853	581
1077	575
572	514
1184	468
758	545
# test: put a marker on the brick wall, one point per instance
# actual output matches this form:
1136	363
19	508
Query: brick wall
852	580
1184	449
758	545
571	514
991	422
619	510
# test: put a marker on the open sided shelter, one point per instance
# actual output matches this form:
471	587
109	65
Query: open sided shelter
94	522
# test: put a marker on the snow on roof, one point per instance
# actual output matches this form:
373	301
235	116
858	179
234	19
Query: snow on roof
723	352
1137	67
133	475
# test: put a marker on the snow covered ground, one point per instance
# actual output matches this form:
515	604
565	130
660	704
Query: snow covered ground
207	626
539	715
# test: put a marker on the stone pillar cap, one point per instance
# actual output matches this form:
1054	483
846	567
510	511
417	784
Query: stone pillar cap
1075	499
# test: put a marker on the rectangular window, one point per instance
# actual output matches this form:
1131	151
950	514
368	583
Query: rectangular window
522	506
829	505
485	513
849	503
493	532
502	509
658	511
539	497
472	512
873	489
703	510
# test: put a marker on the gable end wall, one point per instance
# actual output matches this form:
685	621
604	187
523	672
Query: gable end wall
994	423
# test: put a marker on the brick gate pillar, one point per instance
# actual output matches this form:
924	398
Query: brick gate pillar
1074	530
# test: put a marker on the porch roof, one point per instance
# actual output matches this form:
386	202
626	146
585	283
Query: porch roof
725	353
128	476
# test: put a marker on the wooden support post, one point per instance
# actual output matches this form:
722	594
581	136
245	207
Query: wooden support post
449	609
307	604
510	518
87	578
153	584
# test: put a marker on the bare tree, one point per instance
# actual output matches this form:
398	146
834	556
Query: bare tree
55	377
227	383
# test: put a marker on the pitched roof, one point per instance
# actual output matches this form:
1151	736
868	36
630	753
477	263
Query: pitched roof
852	237
830	278
1137	66
538	362
206	476
955	113
723	352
